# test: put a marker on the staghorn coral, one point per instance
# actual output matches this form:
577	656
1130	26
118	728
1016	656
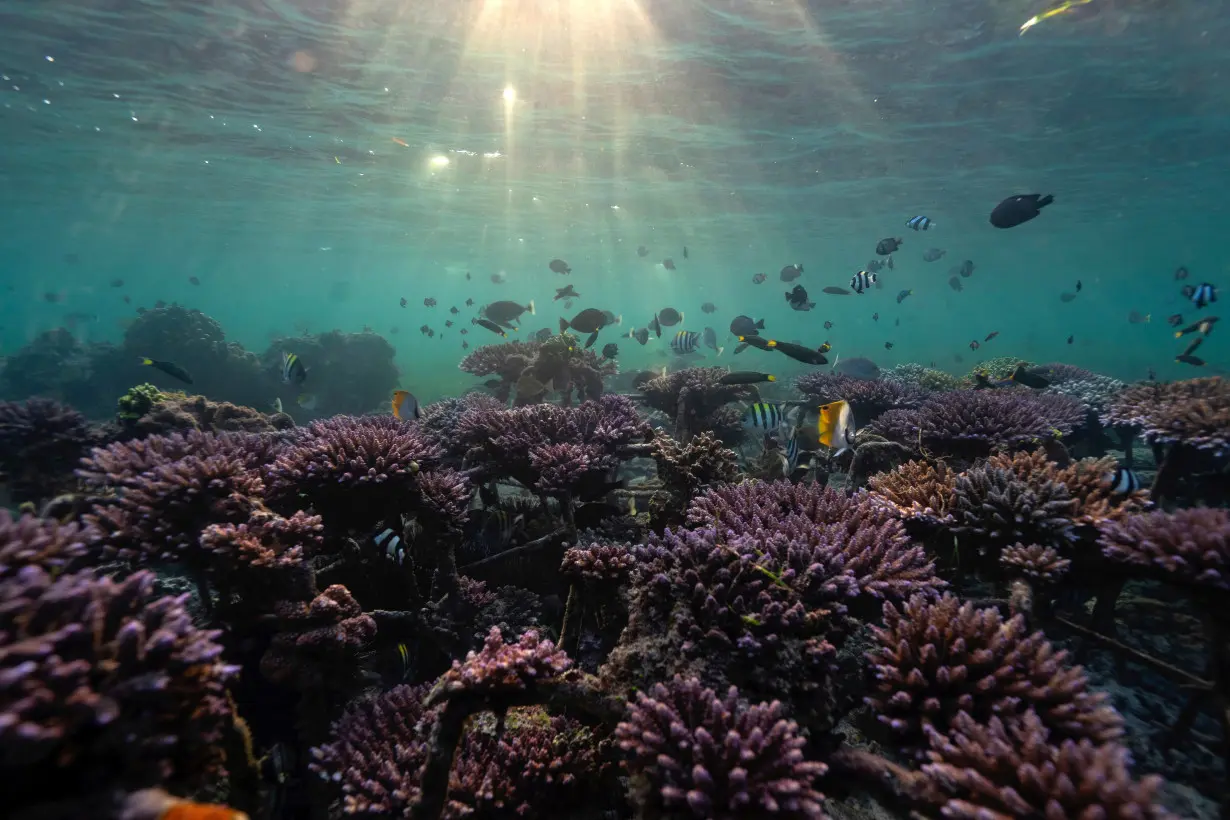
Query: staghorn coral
1008	768
121	465
440	419
265	558
1060	373
445	497
318	643
1195	413
561	467
1088	482
104	685
997	507
1001	367
694	399
1189	546
500	668
40	542
40	441
694	754
925	377
936	658
599	564
1038	563
917	491
1094	392
558	361
867	398
685	470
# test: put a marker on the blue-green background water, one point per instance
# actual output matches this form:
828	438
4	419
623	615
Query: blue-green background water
257	146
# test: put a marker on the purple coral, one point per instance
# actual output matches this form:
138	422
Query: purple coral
1036	562
867	398
444	499
694	399
561	467
501	668
318	644
441	418
998	507
1189	546
41	542
1195	412
40	441
102	683
939	657
121	465
695	754
1008	768
265	558
604	564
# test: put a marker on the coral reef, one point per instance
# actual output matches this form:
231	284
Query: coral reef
917	491
996	507
502	667
607	564
1189	547
1195	413
692	753
927	378
684	471
137	401
318	642
146	414
347	373
695	401
559	362
40	542
867	398
40	442
1035	562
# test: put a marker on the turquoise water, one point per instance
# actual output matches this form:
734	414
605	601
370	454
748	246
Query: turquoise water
291	155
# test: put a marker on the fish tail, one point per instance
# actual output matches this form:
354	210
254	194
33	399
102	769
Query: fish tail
1046	200
531	307
772	378
619	320
760	325
563	325
719	350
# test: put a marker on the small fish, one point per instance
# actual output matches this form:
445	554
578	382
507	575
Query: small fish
1203	326
888	345
468	277
499	278
53	297
889	264
1078	286
862	280
655	326
1194	361
293	371
423	329
875	317
1023	376
825	347
127	300
669	264
903	294
429	302
759	278
1019	209
791	272
685	341
708	307
390	546
642	251
1180	273
685	251
170	368
464	344
1135	317
1071	339
709	337
405	405
117	283
1202	295
763	415
469	303
933	254
490	325
403	302
828	325
1191	348
566	292
886	246
746	377
1123	481
955	284
797	299
758	342
453	310
836	291
799	353
1066	296
974	345
897	322
277	404
192	280
920	223
874	265
991	335
567	304
307	401
669	317
967	269
610	350
559	266
641	334
836	426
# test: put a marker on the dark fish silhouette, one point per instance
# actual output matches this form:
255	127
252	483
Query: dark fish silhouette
1016	210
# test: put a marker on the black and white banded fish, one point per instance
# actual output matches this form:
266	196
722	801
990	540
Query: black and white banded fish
764	415
389	542
920	223
500	527
862	280
685	341
1123	481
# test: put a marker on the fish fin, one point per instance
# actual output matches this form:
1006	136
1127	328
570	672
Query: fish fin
681	319
772	343
719	350
619	320
760	325
531	307
593	337
663	373
146	361
1046	200
563	325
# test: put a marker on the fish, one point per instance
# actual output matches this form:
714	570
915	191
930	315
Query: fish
453	310
590	321
156	804
669	317
933	254
117	283
655	326
791	272
1063	8
858	367
981	382
888	345
402	302
966	269
763	415
919	223
529	387
541	335
430	302
390	546
792	457
862	280
708	307
874	265
559	266
499	278
1203	326
170	368
889	264
307	401
799	353
828	325
759	278
836	426
405	405
53	297
709	337
127	300
685	341
610	350
1019	209
974	345
1194	361
423	329
991	335
1066	296
566	292
642	251
641	334
875	317
886	246
897	322
447	323
685	251
797	299
469	303
490	325
1135	318
955	284
277	404
669	264
746	377
499	528
1180	274
1201	296
1123	480
1023	376
464	344
836	291
903	294
192	280
293	371
758	342
1078	286
1191	348
505	312
1071	339
468	277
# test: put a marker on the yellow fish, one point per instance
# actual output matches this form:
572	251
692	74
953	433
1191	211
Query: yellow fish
403	399
1062	8
836	426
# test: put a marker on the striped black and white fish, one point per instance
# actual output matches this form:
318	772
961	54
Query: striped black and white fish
862	280
764	415
389	543
685	341
499	528
920	223
1124	481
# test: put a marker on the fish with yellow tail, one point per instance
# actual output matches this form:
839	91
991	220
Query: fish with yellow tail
405	405
836	426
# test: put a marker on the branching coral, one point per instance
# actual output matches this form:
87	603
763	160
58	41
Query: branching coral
1194	412
867	398
694	754
917	491
40	441
925	377
599	564
1038	563
445	497
318	642
440	419
558	361
171	412
265	558
1007	769
694	397
1088	482
1190	546
102	683
939	657
40	542
997	508
686	469
500	668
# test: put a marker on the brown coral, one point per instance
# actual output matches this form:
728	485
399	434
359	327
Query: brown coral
1089	483
918	490
1036	562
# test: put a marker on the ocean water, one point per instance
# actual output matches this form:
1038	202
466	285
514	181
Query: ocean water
312	162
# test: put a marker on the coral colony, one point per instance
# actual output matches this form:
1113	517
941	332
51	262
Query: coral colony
588	607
